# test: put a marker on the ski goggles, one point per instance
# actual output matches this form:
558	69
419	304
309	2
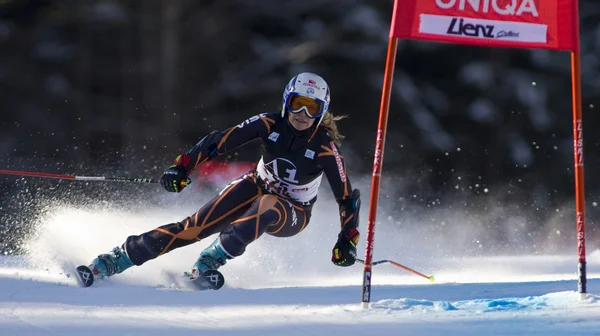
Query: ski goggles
313	107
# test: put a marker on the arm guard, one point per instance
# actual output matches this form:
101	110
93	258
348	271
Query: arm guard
349	211
204	150
217	143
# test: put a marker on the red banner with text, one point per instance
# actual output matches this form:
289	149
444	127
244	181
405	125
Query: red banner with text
544	24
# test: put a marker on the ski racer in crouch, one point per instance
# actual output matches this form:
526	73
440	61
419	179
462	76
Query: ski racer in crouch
299	146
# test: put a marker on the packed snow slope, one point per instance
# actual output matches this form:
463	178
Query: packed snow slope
287	287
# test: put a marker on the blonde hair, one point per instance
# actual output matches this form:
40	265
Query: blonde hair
329	123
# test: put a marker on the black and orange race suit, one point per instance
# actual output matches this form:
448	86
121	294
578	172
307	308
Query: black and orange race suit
276	197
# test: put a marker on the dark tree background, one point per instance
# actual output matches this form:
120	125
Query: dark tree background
120	87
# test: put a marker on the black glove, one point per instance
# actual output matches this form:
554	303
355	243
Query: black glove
175	178
344	251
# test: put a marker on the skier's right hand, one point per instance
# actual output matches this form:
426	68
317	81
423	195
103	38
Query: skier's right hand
175	178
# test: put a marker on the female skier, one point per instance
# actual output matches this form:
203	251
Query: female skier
299	145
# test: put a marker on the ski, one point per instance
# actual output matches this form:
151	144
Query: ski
85	277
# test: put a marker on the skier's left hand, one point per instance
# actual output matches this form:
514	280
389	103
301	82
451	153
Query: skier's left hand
344	251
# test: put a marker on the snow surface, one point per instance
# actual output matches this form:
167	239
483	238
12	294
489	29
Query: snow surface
283	287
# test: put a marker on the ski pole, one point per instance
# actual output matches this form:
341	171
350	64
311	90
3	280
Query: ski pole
393	263
80	178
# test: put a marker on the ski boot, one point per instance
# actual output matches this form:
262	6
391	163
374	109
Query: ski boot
114	262
204	272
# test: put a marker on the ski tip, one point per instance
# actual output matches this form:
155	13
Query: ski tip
215	278
84	276
211	279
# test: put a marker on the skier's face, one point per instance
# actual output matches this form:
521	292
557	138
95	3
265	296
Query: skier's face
300	121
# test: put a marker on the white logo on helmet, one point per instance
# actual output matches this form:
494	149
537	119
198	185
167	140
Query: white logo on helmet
310	91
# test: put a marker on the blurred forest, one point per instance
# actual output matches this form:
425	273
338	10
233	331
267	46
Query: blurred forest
120	87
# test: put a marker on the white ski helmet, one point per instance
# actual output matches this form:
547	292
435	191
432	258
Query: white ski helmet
309	85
